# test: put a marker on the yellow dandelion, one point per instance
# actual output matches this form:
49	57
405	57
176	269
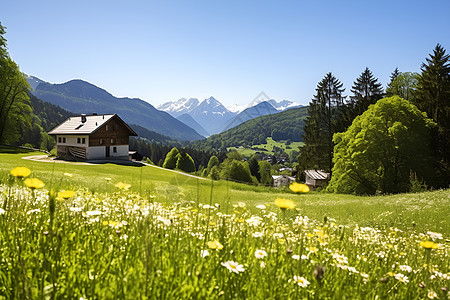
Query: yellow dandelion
122	186
299	187
429	245
215	245
66	194
20	172
284	203
34	183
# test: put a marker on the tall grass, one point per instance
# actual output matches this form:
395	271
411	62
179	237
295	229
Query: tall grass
205	243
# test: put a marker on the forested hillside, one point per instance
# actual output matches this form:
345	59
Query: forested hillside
281	126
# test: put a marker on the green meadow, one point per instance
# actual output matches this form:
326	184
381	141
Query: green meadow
171	236
268	147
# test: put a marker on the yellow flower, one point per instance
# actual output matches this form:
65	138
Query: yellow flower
429	245
20	172
66	194
215	245
34	183
284	203
299	187
122	186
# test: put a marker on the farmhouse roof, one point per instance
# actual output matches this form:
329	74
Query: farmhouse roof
86	124
274	177
317	174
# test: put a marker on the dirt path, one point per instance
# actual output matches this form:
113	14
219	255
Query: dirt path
46	158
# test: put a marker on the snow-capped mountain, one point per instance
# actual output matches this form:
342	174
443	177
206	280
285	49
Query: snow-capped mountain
236	108
179	107
260	109
212	115
284	104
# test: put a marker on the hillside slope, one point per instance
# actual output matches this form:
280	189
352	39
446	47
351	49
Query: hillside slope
79	96
281	126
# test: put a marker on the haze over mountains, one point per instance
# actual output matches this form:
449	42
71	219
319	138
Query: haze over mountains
184	119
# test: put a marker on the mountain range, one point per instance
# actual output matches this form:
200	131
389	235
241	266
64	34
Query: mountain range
186	119
79	96
213	117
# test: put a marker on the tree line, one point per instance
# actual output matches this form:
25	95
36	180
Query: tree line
369	145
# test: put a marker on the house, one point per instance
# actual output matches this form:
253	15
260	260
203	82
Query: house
93	137
282	180
315	178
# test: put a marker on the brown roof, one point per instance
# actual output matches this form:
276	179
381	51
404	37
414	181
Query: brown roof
74	125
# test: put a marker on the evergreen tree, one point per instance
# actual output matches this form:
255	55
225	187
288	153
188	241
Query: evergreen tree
171	159
366	91
324	119
393	76
254	168
433	97
404	85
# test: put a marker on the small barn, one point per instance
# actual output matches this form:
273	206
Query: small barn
93	137
282	180
315	178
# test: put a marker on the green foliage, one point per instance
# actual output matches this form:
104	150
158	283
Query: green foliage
214	174
236	170
213	161
324	119
380	148
404	85
433	97
366	91
254	168
185	162
171	159
264	169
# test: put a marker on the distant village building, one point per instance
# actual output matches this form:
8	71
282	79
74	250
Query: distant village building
315	178
93	137
282	180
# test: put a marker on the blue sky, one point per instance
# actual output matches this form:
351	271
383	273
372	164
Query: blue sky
163	50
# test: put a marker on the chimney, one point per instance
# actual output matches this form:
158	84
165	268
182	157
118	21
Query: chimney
83	118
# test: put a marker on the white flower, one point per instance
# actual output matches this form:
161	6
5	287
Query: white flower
204	253
254	221
301	281
2	211
262	264
233	266
341	259
33	211
296	257
93	213
432	294
405	268
260	254
261	206
435	235
257	234
401	277
75	209
163	220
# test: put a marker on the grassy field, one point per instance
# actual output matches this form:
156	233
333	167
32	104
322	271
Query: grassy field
176	237
268	147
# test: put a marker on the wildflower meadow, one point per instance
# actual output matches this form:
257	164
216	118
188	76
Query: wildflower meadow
77	244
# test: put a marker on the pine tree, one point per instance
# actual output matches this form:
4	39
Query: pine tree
254	168
324	119
366	91
433	97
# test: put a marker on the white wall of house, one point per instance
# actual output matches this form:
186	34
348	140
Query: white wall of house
310	181
96	152
72	140
121	151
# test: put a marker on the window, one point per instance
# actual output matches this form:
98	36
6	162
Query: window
78	140
59	139
101	141
115	149
64	139
83	141
112	141
106	127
